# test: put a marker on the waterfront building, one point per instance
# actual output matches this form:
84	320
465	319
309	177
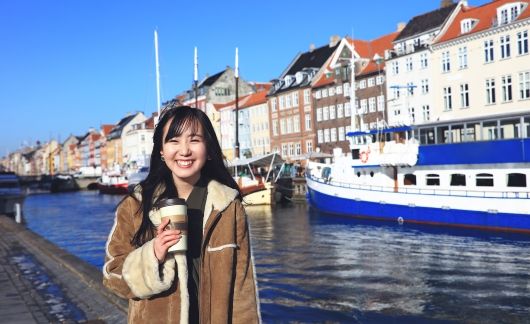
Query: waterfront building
117	155
482	57
138	143
105	130
411	67
258	119
292	128
68	162
331	91
90	154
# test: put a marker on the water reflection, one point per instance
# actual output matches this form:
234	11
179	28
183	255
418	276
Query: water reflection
313	267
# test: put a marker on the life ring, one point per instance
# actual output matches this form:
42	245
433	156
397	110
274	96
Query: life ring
364	155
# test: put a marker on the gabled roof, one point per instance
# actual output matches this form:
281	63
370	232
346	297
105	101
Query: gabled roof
211	80
118	129
106	129
255	99
311	59
426	22
484	15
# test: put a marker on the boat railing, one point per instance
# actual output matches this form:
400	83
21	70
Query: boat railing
426	191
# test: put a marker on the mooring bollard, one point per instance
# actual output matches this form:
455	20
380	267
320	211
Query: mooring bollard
18	213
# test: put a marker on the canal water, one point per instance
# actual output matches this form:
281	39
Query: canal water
313	267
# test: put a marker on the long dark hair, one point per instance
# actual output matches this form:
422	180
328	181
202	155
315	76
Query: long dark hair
159	176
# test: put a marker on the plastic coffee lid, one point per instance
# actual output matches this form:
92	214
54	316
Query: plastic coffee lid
170	202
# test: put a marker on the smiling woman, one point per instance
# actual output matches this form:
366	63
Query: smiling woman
163	286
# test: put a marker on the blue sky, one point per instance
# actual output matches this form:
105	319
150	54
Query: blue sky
67	65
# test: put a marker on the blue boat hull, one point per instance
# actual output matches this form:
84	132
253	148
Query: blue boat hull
416	214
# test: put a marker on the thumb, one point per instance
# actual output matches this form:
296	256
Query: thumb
162	225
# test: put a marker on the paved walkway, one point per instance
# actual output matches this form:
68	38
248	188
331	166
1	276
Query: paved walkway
22	300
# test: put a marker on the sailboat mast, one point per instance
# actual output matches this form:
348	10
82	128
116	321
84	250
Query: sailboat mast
353	108
157	75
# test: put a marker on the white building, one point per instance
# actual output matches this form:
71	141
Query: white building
410	68
138	143
483	62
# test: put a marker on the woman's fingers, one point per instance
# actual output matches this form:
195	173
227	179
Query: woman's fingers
162	226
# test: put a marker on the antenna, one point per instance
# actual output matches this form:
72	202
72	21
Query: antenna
157	77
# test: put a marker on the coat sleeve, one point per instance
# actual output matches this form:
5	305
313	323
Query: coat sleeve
246	299
133	272
118	248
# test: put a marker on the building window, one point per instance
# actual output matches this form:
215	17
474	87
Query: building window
340	110
446	62
338	90
464	95
396	93
409	179
307	121
432	179
298	149
347	110
395	68
371	104
412	115
458	179
448	102
522	42
408	64
462	57
466	25
306	96
505	46
524	85
288	101
341	134
381	103
275	127
320	136
282	102
282	126
426	112
484	180
423	60
295	99
410	88
371	82
284	149
332	112
379	79
488	51
333	134
296	123
506	88
516	180
346	87
309	146
325	113
324	93
289	125
273	104
318	95
362	84
490	91
326	135
319	114
425	86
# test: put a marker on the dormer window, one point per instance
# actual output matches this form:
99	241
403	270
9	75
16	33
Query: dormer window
288	80
509	12
467	24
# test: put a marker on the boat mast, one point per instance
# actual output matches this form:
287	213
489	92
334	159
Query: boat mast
236	74
157	76
196	77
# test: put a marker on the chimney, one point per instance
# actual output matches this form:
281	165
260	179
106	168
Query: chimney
401	26
311	47
445	3
333	40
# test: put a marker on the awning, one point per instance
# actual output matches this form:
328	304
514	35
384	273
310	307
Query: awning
260	161
311	155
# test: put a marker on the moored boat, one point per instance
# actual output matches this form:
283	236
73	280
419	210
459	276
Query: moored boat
470	173
113	184
11	193
63	183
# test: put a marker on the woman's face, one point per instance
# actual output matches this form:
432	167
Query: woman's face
185	155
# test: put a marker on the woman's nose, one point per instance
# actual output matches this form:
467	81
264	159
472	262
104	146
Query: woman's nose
184	149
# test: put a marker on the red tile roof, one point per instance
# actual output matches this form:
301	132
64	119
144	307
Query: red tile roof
485	14
106	129
255	99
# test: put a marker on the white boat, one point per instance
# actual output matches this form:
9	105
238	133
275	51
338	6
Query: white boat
255	177
470	173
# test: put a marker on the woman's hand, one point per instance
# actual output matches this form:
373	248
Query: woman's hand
164	240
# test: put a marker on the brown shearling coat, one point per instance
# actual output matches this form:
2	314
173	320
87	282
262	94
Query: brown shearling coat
227	292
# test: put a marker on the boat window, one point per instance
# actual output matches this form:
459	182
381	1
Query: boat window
458	179
427	136
326	172
510	128
355	154
489	130
516	180
358	174
372	174
484	180
472	132
442	134
433	179
409	180
457	133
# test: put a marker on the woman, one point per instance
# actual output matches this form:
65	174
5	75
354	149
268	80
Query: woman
215	281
